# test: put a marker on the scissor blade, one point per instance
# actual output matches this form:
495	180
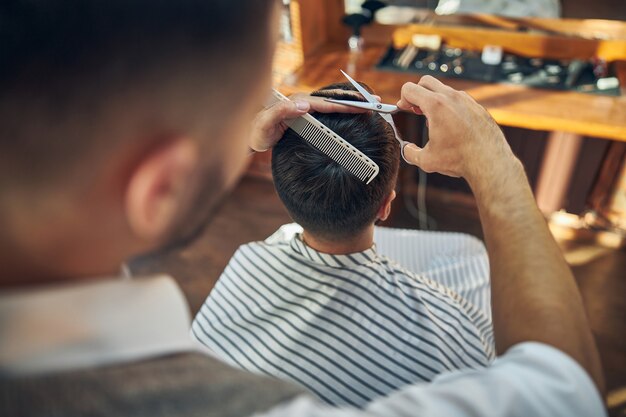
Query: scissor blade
377	107
370	98
358	104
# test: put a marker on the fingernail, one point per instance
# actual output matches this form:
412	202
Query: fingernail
302	105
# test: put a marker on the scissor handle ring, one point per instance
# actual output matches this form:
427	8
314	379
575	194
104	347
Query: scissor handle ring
402	146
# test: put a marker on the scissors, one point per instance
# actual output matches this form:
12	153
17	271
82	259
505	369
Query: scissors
384	110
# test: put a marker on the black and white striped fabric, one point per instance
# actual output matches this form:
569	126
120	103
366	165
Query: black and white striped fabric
455	260
350	328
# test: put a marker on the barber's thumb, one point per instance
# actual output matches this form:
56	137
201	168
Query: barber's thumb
290	109
413	154
302	106
296	108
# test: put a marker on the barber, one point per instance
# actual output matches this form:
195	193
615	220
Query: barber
548	362
121	121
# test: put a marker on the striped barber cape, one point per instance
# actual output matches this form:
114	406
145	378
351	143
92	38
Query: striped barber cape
351	328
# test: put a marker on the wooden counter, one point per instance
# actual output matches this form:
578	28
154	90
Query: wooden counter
510	105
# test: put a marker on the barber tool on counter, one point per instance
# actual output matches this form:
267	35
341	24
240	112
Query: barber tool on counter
428	54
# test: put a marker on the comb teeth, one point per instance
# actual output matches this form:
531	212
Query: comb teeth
335	147
330	143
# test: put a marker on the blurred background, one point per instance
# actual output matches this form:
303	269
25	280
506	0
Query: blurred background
553	75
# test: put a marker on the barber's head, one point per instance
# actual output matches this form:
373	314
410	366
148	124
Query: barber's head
117	117
324	198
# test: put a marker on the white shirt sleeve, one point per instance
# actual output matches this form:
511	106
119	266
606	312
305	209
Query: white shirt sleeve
532	379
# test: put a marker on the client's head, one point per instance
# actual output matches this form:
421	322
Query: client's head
324	198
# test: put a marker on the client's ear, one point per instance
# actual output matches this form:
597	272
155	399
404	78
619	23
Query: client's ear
157	187
385	208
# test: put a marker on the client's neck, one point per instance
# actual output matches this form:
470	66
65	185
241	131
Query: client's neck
357	243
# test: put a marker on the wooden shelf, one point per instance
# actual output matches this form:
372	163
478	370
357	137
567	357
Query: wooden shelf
510	105
530	44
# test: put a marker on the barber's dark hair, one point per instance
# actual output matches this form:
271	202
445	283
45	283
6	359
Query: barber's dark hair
319	194
63	61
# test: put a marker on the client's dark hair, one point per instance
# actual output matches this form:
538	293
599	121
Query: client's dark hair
319	194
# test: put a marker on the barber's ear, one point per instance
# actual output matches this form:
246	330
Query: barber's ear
385	208
158	186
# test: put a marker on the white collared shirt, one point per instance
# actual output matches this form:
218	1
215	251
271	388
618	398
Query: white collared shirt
531	380
91	323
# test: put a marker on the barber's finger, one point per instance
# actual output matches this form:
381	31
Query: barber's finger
319	104
275	114
431	83
417	110
324	106
415	96
341	92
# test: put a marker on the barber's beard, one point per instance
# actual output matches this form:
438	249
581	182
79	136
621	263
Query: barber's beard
207	197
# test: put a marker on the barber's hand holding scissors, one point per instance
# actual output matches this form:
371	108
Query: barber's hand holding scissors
530	280
464	140
269	124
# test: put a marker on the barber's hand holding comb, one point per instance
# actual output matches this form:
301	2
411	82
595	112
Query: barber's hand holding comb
269	126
